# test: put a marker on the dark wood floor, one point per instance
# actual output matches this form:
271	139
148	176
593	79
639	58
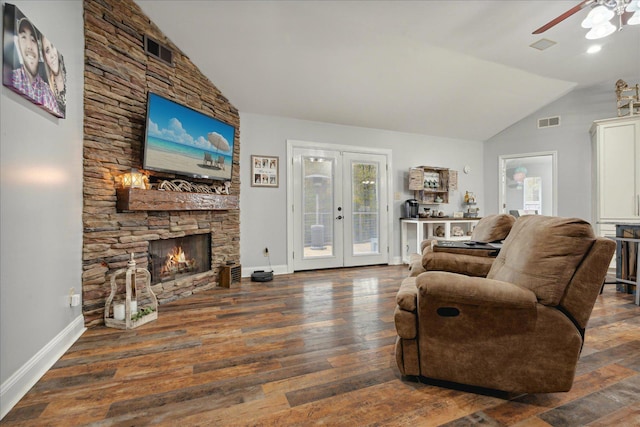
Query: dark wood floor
306	349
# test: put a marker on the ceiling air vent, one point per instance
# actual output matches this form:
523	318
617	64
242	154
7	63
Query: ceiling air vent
542	44
154	48
549	122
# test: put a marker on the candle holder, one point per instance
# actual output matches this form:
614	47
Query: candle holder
134	179
126	313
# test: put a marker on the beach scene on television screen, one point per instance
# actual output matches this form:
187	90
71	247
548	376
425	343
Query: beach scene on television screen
187	142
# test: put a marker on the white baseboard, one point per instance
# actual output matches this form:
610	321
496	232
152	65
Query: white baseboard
18	384
277	269
283	269
396	261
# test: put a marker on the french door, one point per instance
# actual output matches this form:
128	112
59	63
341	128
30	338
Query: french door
339	208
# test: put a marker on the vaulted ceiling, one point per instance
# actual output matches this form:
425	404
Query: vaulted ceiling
458	69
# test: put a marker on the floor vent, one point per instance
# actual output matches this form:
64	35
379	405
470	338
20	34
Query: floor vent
157	50
549	122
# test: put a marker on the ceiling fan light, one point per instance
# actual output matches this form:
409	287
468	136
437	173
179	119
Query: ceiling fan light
597	16
600	31
594	49
634	6
635	19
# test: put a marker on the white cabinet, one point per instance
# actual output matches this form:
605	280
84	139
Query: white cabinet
616	156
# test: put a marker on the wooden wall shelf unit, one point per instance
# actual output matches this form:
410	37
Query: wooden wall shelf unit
430	184
135	199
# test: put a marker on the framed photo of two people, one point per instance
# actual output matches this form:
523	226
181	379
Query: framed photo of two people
31	63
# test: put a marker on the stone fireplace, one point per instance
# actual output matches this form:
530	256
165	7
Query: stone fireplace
171	259
118	76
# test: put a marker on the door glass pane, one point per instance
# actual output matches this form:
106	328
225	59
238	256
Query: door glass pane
532	194
528	185
364	208
317	203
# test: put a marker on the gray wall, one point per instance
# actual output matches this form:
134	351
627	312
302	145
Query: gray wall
263	210
40	208
571	140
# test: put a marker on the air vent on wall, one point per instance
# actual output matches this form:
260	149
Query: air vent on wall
154	48
549	122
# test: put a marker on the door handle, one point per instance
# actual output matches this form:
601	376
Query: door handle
339	217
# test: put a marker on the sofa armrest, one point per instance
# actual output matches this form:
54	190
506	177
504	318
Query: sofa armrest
427	245
460	289
469	265
415	268
407	295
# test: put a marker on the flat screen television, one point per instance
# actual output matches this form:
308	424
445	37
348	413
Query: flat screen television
182	141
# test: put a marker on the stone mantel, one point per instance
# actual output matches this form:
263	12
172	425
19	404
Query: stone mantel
135	199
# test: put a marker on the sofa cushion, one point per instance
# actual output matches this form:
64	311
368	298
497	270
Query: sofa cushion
493	228
542	253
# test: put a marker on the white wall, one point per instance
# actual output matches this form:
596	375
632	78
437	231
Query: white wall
41	213
571	140
263	210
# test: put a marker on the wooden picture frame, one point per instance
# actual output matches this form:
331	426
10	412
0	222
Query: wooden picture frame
265	171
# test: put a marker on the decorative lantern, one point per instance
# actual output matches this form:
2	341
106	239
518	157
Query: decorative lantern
126	312
134	179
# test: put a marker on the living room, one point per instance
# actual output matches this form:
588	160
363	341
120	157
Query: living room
44	175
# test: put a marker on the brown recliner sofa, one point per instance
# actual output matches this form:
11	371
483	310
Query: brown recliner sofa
472	262
521	328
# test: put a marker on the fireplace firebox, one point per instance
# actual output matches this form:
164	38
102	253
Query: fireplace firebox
172	259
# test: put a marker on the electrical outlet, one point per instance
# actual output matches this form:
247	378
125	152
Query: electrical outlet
71	292
266	252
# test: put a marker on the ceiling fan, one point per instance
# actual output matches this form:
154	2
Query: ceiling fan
628	12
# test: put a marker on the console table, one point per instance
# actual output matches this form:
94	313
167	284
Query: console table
430	224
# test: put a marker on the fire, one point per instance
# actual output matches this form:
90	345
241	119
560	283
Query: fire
177	262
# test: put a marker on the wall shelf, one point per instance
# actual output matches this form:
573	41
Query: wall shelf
135	199
430	184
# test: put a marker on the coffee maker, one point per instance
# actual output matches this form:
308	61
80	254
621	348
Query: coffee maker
411	207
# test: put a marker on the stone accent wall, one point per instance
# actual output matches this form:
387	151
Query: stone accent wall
118	74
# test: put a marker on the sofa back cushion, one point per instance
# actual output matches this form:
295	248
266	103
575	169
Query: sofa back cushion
493	228
542	254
